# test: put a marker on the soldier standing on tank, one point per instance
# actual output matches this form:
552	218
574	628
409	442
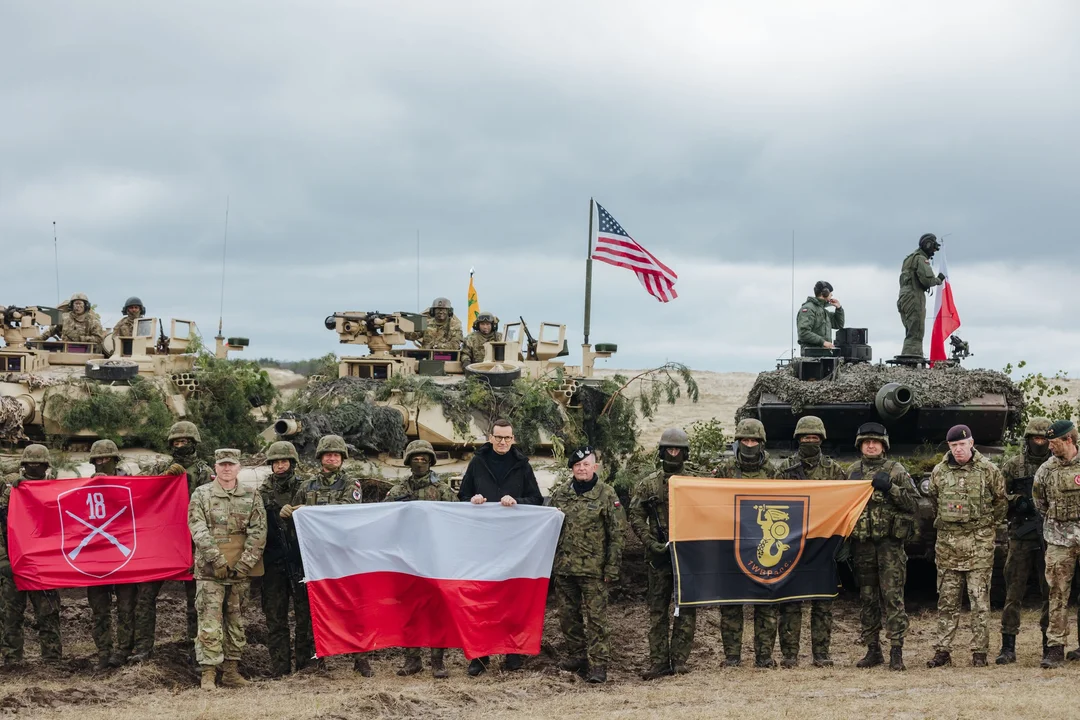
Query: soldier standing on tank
104	455
587	563
485	330
812	464
133	310
183	439
649	519
1025	537
443	329
80	323
877	545
751	460
281	560
228	525
916	279
34	465
969	492
330	486
1056	493
815	322
425	485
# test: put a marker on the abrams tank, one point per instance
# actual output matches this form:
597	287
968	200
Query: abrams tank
916	403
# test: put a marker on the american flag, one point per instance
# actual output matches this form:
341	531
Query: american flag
615	247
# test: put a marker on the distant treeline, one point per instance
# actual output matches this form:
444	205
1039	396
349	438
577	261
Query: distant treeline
325	365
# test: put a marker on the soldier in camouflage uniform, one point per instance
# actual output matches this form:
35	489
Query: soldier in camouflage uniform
916	279
649	519
183	439
425	485
1025	537
443	329
587	562
104	455
877	545
228	524
969	494
133	310
485	330
815	322
34	465
811	464
1056	493
80	323
281	561
751	460
330	486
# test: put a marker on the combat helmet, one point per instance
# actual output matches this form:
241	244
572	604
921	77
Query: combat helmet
485	317
929	243
69	304
282	450
674	437
133	301
872	431
1037	427
184	430
750	428
810	425
419	447
332	443
103	449
35	454
440	302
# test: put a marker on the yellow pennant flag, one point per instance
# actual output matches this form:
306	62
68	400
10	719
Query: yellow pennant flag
474	304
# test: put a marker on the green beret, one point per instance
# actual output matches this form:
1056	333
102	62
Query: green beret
1060	428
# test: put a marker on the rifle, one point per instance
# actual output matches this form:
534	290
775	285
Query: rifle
530	351
661	534
290	553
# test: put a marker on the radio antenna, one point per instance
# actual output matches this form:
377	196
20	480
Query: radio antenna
792	294
418	270
56	258
224	248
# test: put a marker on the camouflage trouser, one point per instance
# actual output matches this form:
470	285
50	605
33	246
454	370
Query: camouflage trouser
820	626
1025	557
100	599
881	571
47	613
221	620
951	597
277	589
1060	566
912	309
783	617
731	629
146	614
658	598
436	654
583	617
7	611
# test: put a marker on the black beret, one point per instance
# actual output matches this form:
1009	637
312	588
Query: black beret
1060	428
958	432
578	455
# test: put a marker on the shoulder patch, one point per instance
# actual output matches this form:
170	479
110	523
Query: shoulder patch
804	310
357	495
618	504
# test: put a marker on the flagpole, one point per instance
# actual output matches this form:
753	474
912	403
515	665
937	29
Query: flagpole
588	275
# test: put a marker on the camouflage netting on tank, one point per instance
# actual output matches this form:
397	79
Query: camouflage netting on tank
938	387
11	420
364	425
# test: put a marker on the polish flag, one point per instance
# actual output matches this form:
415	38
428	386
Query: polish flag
428	574
946	319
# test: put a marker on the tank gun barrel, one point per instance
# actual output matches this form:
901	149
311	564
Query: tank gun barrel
893	400
287	427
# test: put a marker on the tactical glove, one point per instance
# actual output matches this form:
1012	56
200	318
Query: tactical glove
941	277
286	511
15	483
658	548
882	481
175	469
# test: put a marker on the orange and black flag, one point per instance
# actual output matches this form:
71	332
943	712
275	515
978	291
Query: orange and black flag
759	541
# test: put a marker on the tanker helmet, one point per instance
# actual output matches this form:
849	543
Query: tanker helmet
674	437
1038	427
184	430
419	447
332	443
281	450
929	243
750	428
104	449
872	431
440	302
35	454
133	301
486	317
810	425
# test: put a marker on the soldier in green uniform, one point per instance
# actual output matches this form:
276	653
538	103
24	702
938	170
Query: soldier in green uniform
877	545
425	485
485	330
104	455
330	486
587	563
184	440
34	465
281	562
812	464
815	322
443	329
649	519
1056	493
80	323
969	493
228	525
1025	537
916	279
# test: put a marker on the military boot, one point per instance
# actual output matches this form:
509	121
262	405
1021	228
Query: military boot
822	659
764	661
438	669
597	675
789	661
896	659
658	670
230	675
978	659
873	656
941	659
1073	654
574	664
117	659
102	661
1054	657
209	675
362	666
411	667
733	661
1008	650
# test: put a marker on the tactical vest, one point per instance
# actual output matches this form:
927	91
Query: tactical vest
881	519
340	492
962	498
1063	494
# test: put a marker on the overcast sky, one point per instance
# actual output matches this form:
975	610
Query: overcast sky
710	130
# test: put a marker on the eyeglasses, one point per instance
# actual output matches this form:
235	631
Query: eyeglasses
502	438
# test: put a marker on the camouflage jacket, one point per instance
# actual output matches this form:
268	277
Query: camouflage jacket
439	336
591	542
198	472
917	274
1019	473
816	323
215	514
970	503
732	468
472	351
798	469
427	487
77	328
124	327
1056	492
324	488
652	491
888	514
